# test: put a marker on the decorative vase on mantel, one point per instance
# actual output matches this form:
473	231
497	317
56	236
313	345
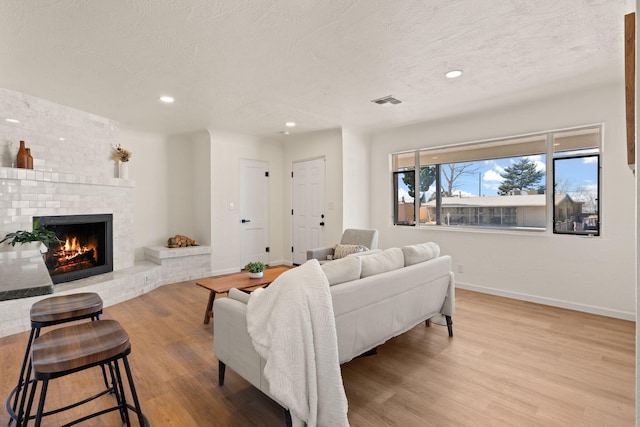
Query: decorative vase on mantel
23	157
123	170
29	159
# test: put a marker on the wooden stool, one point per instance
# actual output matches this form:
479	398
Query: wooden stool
78	347
48	312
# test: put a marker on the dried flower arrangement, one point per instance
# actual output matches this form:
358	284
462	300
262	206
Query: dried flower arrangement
121	154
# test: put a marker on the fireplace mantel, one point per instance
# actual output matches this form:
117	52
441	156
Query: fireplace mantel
62	177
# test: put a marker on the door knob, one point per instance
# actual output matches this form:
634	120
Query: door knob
322	223
245	220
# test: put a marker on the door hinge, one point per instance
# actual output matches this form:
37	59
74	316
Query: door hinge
266	249
291	174
291	248
266	174
291	211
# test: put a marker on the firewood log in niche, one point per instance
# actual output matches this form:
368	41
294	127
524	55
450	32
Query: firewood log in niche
180	241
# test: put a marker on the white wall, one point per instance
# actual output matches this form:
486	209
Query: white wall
179	170
172	191
201	184
590	274
327	145
147	168
356	163
226	151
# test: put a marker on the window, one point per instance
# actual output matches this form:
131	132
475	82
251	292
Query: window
404	213
576	189
503	183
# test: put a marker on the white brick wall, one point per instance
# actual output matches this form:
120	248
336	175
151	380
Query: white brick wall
71	177
181	264
23	196
88	139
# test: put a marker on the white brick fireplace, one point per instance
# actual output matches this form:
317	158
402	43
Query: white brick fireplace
73	175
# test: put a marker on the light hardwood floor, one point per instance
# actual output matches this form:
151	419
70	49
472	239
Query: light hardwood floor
510	363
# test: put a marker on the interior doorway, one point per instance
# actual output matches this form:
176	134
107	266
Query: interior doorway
254	211
308	195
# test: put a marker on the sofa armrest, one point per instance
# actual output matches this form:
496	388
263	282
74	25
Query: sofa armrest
230	321
238	295
320	253
232	343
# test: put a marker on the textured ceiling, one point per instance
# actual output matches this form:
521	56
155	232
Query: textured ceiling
250	66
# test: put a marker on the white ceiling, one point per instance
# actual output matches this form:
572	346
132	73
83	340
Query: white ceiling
251	65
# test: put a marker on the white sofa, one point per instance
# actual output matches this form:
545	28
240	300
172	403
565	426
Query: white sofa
370	305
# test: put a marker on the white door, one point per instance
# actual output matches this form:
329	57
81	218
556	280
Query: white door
254	210
308	207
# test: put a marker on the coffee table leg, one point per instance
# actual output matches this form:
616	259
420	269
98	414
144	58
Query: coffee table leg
208	314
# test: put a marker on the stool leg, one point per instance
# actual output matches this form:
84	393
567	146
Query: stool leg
35	333
132	387
21	380
43	395
104	377
118	390
24	420
24	366
123	398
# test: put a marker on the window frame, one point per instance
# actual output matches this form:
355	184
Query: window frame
592	136
396	177
595	232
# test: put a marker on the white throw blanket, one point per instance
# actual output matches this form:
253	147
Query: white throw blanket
292	327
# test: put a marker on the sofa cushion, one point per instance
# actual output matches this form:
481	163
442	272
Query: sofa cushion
387	260
341	251
342	270
414	254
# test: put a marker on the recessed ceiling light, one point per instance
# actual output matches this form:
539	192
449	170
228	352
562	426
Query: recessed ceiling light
167	99
453	74
12	120
61	139
285	132
290	124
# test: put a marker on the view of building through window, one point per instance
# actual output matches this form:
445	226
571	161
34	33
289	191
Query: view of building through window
504	183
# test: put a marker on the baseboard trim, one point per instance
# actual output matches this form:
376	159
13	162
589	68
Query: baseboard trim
602	311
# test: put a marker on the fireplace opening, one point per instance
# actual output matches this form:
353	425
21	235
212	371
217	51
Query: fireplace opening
86	249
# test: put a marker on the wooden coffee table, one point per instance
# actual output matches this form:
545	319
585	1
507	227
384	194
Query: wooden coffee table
222	284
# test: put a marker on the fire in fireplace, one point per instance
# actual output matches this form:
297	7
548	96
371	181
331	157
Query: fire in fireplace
86	249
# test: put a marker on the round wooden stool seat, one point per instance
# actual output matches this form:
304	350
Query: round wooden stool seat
65	308
77	346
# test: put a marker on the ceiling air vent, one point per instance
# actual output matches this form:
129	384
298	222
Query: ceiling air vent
387	100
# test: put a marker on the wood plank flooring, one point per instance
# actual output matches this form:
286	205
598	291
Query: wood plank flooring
510	363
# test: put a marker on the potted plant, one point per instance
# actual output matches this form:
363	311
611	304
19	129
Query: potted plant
255	269
37	234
